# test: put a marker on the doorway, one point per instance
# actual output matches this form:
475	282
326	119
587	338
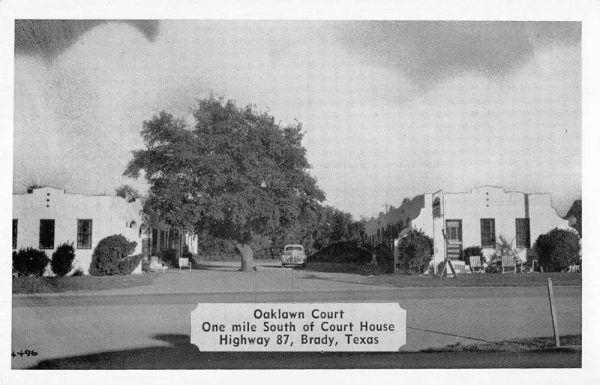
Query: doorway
454	238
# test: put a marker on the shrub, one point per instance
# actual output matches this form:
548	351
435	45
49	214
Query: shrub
77	273
504	247
169	256
30	262
110	256
473	251
384	258
62	259
495	266
130	263
343	252
146	266
416	250
557	249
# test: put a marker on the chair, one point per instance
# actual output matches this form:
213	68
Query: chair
185	262
508	262
157	266
476	265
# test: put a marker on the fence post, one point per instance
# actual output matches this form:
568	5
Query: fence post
553	313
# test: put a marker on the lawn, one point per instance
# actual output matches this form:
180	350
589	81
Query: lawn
477	280
514	345
32	285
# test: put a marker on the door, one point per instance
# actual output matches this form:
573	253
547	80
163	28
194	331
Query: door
454	238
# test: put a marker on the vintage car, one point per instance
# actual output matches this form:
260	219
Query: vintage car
293	255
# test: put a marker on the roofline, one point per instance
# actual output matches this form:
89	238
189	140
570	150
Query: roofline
70	193
488	185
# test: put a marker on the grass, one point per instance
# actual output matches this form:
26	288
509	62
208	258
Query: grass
512	346
347	268
478	280
32	285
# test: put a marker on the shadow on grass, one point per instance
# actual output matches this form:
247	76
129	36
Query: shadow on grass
33	285
183	355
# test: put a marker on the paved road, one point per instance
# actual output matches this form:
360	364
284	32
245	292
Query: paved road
107	327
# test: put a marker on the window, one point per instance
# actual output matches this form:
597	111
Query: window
84	233
488	232
46	233
15	224
523	239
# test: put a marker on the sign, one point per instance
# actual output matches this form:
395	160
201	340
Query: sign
340	327
436	207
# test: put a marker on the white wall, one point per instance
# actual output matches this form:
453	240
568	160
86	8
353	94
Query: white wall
488	202
109	214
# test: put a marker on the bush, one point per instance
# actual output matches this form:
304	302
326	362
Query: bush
416	250
129	264
384	258
30	262
169	256
557	249
473	251
504	247
343	252
110	256
77	273
495	266
62	259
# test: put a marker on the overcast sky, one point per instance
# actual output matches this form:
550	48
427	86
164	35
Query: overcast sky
390	109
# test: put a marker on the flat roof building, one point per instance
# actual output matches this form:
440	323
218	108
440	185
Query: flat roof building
474	218
47	217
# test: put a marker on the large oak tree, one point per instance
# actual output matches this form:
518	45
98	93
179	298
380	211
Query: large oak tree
234	175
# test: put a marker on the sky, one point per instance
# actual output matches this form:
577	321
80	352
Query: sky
390	109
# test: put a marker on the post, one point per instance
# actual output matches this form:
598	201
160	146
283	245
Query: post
553	313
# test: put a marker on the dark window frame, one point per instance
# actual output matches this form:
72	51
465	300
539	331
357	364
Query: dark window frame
47	244
488	233
15	232
81	234
523	237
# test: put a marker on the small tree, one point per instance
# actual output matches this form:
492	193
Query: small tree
30	262
416	250
504	247
557	249
127	192
111	256
62	259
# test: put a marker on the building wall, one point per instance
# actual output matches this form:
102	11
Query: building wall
488	202
470	207
109	214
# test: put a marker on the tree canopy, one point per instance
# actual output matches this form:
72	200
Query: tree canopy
234	175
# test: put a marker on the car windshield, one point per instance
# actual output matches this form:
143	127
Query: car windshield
292	248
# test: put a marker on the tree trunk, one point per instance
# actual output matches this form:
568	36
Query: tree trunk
247	256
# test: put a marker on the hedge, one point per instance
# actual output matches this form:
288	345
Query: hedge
557	249
111	256
30	262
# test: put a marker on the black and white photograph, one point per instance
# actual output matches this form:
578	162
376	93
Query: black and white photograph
237	192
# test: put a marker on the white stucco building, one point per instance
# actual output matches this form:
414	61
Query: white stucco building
48	217
474	218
